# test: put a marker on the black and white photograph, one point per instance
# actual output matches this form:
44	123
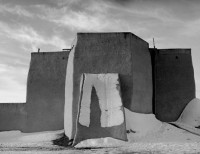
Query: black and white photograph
99	76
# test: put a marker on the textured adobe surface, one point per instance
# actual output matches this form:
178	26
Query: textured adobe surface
12	116
45	91
174	85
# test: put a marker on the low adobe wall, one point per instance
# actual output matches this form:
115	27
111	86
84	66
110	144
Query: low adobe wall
12	116
45	91
44	108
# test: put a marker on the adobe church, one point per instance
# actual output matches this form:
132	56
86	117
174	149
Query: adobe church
148	80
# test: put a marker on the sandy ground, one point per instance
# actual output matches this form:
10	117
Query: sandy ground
165	139
145	134
138	147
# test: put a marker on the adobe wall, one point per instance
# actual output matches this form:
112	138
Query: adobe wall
12	116
45	91
122	53
174	84
142	77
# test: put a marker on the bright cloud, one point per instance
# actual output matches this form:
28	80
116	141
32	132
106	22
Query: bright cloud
89	19
82	21
28	35
12	82
17	10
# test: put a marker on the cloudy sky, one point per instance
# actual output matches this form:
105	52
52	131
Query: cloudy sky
50	25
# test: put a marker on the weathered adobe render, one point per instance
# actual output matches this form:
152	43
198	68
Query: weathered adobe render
159	81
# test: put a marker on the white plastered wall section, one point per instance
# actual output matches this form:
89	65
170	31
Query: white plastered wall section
68	115
109	99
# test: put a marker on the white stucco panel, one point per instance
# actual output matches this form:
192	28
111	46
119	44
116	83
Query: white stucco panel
84	117
112	117
109	99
